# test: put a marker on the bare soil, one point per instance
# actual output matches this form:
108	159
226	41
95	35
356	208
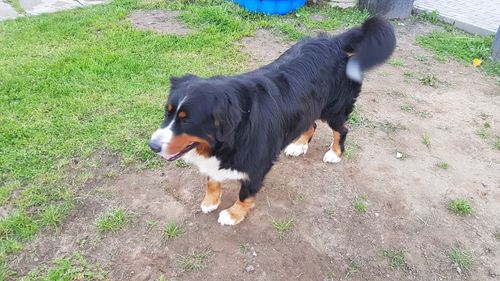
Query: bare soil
160	21
407	197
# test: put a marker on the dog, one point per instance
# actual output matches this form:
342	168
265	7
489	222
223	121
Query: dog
234	127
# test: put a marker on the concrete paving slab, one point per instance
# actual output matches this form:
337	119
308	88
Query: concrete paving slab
475	16
7	12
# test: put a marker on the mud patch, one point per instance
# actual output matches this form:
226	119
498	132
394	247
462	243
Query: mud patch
263	48
164	22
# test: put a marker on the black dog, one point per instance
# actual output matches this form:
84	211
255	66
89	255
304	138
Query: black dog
234	127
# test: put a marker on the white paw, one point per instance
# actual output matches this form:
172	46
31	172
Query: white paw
331	157
225	218
207	209
296	149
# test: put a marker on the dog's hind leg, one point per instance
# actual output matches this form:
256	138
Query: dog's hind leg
338	140
212	196
301	144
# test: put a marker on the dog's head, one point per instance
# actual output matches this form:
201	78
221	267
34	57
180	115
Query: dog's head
199	114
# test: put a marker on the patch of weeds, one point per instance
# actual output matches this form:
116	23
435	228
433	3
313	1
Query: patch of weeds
421	58
351	149
409	74
328	212
425	114
396	62
432	17
462	46
181	163
112	221
172	230
152	224
194	261
440	58
484	134
460	207
461	258
397	259
55	213
360	204
69	268
407	107
355	119
111	174
497	235
483	116
429	80
390	127
395	93
353	267
496	145
443	165
283	226
162	278
244	248
487	125
426	140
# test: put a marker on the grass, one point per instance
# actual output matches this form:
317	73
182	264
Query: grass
396	62
194	261
432	17
397	259
353	267
68	268
172	230
443	165
462	46
407	107
426	140
460	207
429	80
484	134
283	226
113	221
181	163
355	119
82	81
497	235
461	258
360	204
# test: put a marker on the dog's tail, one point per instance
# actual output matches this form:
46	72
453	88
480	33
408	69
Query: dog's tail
370	45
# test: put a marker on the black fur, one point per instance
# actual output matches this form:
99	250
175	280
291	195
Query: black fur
249	118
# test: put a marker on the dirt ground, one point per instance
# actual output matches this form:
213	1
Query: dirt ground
407	197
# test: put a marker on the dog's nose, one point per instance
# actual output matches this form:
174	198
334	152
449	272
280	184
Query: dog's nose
154	146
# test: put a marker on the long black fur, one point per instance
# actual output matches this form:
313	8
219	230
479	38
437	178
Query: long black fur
249	118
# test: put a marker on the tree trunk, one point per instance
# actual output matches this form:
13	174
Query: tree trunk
389	9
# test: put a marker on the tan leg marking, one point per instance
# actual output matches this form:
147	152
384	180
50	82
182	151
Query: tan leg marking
336	143
301	144
237	212
212	196
334	153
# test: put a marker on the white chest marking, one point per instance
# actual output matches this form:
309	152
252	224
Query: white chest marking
211	167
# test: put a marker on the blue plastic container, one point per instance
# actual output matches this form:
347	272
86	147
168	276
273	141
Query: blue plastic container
271	7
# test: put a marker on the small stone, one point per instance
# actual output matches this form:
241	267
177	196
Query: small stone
399	155
249	269
376	214
35	259
254	254
459	270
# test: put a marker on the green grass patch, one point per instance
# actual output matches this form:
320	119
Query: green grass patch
283	226
396	62
112	221
461	258
407	107
360	205
397	259
443	165
460	207
172	230
429	80
462	46
194	261
426	140
181	163
68	269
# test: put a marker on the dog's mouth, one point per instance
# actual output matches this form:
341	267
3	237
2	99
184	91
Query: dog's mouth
186	149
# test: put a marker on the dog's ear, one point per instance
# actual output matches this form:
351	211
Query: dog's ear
176	82
227	116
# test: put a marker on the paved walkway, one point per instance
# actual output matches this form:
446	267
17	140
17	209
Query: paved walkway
36	7
475	16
